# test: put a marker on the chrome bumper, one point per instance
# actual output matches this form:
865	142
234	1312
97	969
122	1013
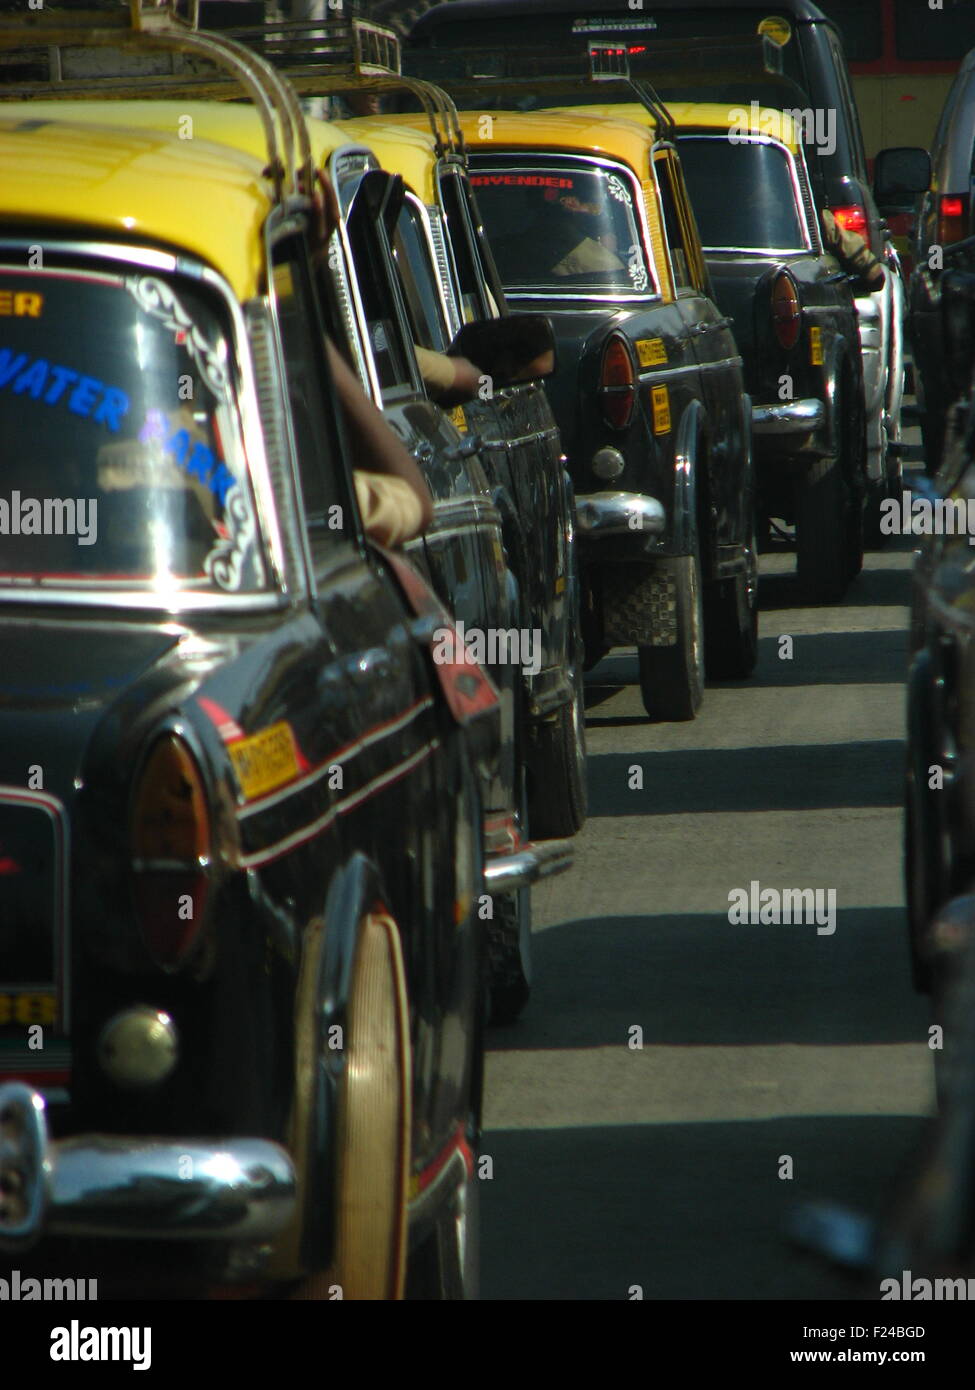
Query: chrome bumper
791	417
534	860
615	513
117	1187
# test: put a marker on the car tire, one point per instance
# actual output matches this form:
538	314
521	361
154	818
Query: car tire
823	533
731	620
373	1154
558	800
672	678
510	956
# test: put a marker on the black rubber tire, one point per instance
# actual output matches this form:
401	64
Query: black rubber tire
731	620
855	522
509	935
921	886
558	798
822	533
672	678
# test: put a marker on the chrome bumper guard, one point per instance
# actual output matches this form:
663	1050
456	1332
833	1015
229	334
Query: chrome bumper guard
117	1187
619	513
535	860
791	417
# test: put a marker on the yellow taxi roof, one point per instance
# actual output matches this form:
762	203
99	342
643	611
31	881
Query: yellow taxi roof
593	130
110	167
404	145
712	115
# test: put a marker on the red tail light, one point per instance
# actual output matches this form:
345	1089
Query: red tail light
852	217
786	311
170	843
952	218
617	384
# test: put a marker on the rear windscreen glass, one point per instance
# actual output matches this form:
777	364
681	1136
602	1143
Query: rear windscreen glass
742	194
562	229
121	460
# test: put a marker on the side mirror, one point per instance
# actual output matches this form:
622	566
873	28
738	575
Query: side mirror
519	347
899	175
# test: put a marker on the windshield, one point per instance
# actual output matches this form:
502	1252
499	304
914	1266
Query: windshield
121	463
742	194
562	228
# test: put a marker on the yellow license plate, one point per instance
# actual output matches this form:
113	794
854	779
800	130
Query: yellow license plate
24	1007
816	346
660	400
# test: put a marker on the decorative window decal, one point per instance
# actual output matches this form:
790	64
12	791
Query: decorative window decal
157	298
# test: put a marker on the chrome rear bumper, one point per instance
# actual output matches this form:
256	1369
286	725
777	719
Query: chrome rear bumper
128	1187
532	861
791	417
619	513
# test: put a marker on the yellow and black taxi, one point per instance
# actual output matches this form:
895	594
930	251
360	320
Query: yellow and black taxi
241	966
589	222
795	324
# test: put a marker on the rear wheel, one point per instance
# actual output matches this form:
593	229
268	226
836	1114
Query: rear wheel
822	533
557	793
731	619
372	1151
672	678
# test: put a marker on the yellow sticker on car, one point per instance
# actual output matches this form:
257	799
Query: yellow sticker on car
651	352
660	400
457	418
265	761
816	346
560	584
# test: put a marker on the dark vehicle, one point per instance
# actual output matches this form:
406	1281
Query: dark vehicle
668	44
796	328
510	423
939	827
946	216
242	985
589	223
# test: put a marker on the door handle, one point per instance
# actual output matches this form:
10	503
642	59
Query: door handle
424	452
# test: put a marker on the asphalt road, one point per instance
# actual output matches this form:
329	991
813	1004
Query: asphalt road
616	1166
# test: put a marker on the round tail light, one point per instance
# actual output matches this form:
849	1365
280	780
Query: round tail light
786	312
617	384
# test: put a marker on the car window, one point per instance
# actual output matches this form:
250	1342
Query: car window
562	227
121	457
385	329
309	397
474	302
418	277
743	194
861	22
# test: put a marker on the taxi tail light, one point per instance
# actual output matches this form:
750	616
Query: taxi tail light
617	384
171	850
852	217
786	311
952	217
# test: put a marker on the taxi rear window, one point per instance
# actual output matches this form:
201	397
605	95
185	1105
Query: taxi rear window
742	194
563	228
121	460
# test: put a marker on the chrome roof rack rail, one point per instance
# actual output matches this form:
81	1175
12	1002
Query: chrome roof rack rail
142	27
325	56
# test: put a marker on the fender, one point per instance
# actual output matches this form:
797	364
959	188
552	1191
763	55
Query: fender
686	450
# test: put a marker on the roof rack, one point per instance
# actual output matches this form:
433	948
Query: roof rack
141	28
327	56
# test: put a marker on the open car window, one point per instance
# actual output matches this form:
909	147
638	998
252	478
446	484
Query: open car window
562	227
743	194
418	278
121	459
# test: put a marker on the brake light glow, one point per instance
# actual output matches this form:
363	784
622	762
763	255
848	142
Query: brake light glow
170	843
952	217
617	384
852	218
786	311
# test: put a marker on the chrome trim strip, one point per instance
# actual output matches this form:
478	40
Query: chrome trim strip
654	375
791	417
609	513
